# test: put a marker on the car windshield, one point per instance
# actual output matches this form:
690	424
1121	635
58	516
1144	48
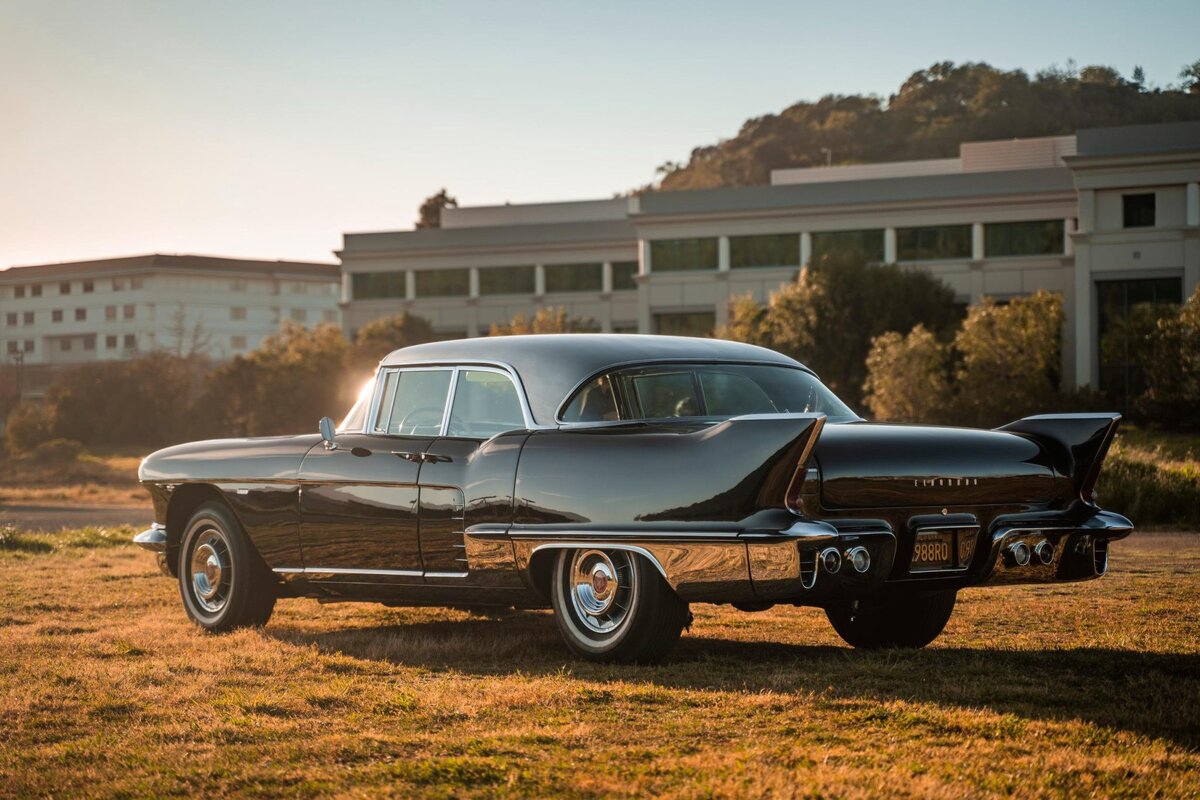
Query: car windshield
703	390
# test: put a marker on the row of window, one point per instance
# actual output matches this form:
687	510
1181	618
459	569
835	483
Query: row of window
87	342
560	278
66	287
1001	239
13	318
238	314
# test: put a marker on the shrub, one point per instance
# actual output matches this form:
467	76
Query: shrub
907	377
1147	493
546	320
28	426
379	337
1172	396
58	451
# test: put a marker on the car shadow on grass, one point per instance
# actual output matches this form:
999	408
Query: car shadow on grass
1150	694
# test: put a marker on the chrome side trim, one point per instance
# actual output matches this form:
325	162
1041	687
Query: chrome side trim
602	545
400	573
153	539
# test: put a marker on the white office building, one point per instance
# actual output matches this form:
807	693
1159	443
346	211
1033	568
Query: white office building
70	313
1108	218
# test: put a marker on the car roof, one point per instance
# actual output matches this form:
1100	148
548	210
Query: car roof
550	366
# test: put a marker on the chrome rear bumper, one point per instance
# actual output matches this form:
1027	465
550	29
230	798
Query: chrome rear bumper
153	539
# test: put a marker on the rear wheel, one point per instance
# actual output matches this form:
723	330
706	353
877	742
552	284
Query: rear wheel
613	605
222	580
912	620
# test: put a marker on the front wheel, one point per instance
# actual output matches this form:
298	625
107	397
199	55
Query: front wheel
223	581
613	605
912	620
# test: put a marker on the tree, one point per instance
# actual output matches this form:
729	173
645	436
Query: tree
1009	358
1190	75
907	377
189	340
285	386
749	321
829	317
546	320
430	213
1172	396
28	425
381	336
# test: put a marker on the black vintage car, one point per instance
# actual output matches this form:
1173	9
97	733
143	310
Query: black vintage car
617	479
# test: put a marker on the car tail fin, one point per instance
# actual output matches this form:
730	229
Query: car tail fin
788	466
1077	442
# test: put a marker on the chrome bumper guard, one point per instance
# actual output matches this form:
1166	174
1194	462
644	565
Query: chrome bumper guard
154	539
1052	552
815	559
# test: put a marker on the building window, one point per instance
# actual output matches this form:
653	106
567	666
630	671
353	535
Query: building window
506	280
775	250
64	345
27	318
238	342
864	245
574	277
377	285
694	323
110	313
64	288
127	312
673	255
237	286
1138	210
13	347
237	313
56	315
930	244
18	292
135	283
89	342
130	341
1128	314
1034	238
35	290
80	314
89	287
110	342
10	318
624	275
443	283
29	345
118	284
299	315
329	315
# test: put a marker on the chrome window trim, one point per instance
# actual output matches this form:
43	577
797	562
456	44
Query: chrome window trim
499	368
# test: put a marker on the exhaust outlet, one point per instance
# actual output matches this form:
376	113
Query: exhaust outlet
1019	554
1044	552
831	560
859	558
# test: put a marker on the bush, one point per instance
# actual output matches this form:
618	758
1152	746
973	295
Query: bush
907	378
546	320
28	426
1147	493
59	451
1172	396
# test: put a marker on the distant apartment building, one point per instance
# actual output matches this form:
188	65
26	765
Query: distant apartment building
1108	218
115	308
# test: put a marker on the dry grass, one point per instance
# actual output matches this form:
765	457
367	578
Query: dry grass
109	479
105	689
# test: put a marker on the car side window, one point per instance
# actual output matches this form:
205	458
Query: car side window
664	394
729	394
595	402
413	402
485	404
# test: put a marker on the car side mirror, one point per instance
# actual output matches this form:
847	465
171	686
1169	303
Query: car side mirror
327	433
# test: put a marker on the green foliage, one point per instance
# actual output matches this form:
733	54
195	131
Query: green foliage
379	337
829	316
907	376
91	537
296	377
430	212
1149	493
1173	369
546	320
934	111
27	426
1009	358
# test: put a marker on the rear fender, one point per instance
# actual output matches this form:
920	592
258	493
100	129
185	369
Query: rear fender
1077	443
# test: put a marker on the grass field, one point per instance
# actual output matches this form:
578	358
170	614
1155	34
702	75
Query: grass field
1089	690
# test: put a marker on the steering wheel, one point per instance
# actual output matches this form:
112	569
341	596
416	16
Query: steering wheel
415	412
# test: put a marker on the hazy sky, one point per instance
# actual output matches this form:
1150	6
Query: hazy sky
267	129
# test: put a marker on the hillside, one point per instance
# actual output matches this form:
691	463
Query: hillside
928	116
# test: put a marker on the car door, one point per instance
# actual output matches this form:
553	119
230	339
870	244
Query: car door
467	475
359	501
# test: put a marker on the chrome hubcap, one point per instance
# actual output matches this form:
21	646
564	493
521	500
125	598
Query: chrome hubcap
602	587
211	573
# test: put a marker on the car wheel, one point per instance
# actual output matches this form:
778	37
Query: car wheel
223	581
613	605
912	620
